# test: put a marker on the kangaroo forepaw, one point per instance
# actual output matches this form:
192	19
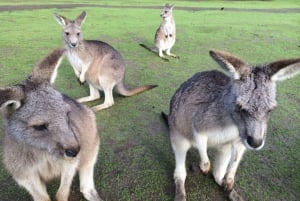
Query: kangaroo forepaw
205	167
81	83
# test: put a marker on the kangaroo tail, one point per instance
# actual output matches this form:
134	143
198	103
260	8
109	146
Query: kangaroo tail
148	48
165	118
124	91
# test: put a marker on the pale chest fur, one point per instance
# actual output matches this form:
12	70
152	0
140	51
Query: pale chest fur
77	62
219	136
169	28
49	167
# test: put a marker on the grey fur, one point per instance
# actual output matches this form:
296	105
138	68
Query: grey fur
230	114
48	135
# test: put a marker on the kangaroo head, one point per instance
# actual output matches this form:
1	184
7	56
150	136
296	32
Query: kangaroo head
71	34
252	95
167	11
36	115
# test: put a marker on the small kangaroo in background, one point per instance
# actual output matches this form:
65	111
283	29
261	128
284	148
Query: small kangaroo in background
165	35
48	135
96	62
230	114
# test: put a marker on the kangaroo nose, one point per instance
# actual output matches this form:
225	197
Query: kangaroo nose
71	152
73	44
254	143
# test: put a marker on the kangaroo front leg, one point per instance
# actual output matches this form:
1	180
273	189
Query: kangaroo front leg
66	179
238	152
87	186
201	144
35	187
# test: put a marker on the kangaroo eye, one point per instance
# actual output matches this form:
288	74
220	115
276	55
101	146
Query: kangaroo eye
67	33
78	34
41	127
166	12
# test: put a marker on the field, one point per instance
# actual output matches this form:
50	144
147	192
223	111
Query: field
136	161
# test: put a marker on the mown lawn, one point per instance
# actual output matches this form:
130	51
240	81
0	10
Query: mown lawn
136	161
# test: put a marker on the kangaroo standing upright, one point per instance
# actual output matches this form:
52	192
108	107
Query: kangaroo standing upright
230	114
165	35
96	62
48	135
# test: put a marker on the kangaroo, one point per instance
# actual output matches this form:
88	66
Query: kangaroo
48	135
96	62
229	114
165	35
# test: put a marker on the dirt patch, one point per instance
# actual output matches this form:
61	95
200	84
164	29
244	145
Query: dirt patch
66	6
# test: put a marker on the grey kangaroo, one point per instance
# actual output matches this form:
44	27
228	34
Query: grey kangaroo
230	114
96	62
165	35
48	134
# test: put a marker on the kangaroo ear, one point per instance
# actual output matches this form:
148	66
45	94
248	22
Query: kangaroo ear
46	70
11	98
63	21
81	18
237	67
283	69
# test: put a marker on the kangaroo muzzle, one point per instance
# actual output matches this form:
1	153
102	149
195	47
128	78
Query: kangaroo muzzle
72	152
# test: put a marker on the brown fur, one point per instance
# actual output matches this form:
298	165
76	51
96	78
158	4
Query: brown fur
96	62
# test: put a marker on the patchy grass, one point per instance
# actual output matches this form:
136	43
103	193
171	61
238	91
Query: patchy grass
136	161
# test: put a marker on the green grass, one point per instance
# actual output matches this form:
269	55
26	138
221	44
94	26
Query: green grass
136	161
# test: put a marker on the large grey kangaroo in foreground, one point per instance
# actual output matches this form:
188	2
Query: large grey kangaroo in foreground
96	62
230	114
48	135
165	35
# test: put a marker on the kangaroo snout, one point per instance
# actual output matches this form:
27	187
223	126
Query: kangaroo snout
72	152
73	44
254	143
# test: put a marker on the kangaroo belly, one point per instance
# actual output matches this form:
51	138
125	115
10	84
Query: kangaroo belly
167	43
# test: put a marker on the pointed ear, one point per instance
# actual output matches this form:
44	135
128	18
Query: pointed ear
46	70
11	98
63	21
237	67
81	18
283	69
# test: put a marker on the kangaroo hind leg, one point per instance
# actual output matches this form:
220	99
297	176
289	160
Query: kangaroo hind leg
108	86
94	94
180	147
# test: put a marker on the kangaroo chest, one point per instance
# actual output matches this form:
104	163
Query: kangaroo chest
77	62
169	28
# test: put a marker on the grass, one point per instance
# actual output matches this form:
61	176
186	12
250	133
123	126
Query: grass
136	161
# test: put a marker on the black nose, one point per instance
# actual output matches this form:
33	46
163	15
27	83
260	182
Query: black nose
73	44
71	152
254	143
